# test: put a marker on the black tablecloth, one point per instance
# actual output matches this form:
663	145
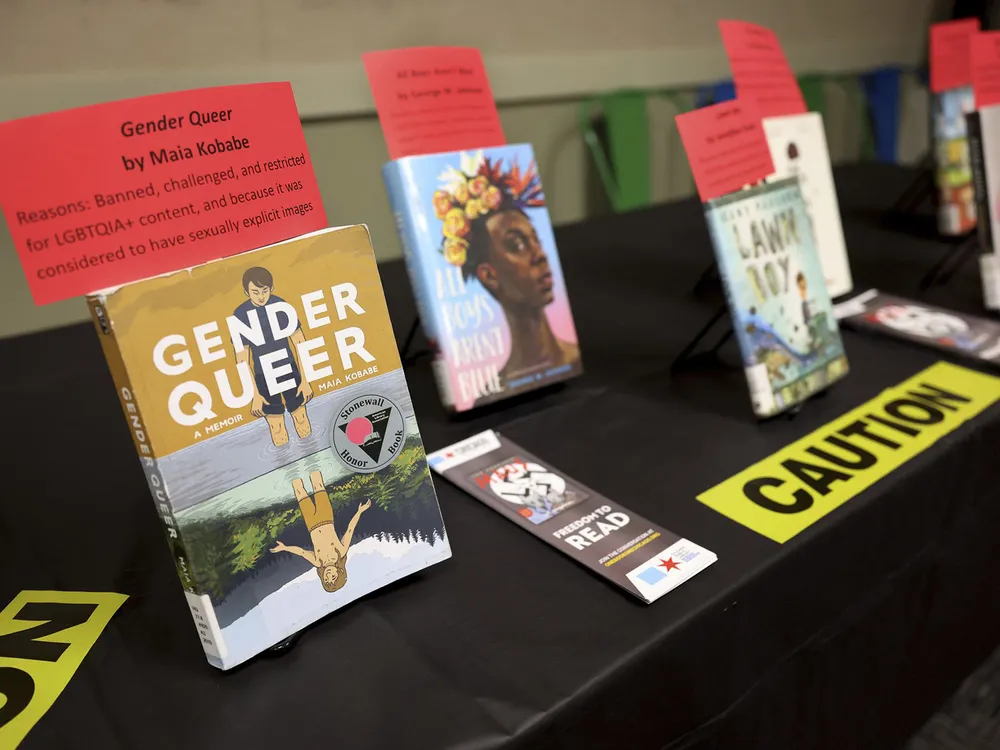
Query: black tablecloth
845	637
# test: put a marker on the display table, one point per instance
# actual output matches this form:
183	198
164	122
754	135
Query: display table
847	636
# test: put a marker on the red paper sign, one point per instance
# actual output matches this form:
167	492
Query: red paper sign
726	147
951	62
433	99
760	70
103	195
986	68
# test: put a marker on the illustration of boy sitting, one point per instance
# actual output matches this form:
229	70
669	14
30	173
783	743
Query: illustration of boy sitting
812	321
329	552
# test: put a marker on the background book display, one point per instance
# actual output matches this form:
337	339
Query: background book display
266	395
953	171
485	272
276	433
952	98
781	312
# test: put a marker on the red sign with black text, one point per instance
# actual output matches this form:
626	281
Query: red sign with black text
984	50
103	195
433	99
760	69
950	55
726	147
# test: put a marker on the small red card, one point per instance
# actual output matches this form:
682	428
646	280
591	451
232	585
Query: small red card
433	99
950	57
986	68
760	69
103	195
726	147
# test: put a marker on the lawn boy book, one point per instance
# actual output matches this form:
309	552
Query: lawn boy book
644	559
946	330
953	171
485	272
983	127
268	405
780	308
798	149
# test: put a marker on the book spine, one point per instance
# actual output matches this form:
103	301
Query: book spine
989	269
947	219
200	604
761	394
402	211
984	226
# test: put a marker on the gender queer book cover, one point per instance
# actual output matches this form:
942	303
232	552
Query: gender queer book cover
798	148
780	308
953	169
267	402
485	272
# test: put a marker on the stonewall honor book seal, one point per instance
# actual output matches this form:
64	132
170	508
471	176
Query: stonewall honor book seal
485	272
267	402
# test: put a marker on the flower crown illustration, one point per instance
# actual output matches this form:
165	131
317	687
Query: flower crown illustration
476	190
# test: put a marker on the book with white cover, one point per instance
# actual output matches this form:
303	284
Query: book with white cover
798	148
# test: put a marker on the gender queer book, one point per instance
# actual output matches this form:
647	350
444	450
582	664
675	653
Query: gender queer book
781	311
953	170
485	272
984	151
965	336
646	560
798	148
267	402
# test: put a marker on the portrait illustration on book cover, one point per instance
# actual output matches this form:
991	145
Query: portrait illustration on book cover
258	286
496	235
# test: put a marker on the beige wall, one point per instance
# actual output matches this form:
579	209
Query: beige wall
60	35
599	45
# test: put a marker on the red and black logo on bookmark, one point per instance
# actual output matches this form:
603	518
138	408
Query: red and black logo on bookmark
368	433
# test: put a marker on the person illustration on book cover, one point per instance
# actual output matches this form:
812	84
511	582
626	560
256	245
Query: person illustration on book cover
820	335
803	285
329	552
258	286
489	235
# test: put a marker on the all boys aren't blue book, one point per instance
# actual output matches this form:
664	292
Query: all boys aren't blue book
485	272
